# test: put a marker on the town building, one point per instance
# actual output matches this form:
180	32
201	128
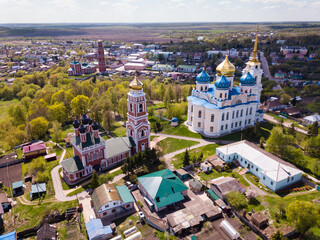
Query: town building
138	66
34	150
102	61
77	69
272	171
109	200
187	68
220	108
162	189
273	104
163	67
312	119
91	151
47	231
293	49
96	230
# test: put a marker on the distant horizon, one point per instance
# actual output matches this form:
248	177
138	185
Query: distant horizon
153	11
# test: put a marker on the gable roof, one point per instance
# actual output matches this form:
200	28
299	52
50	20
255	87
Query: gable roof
73	164
104	194
163	186
34	147
227	184
118	145
38	188
95	229
18	184
125	194
90	140
47	231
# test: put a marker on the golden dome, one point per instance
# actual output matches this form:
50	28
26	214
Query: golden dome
135	84
226	68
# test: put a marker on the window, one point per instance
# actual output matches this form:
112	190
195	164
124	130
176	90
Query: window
264	178
241	112
105	213
227	118
114	203
247	112
220	95
130	107
199	114
130	132
211	129
271	183
237	115
245	162
288	179
222	118
291	178
245	92
212	117
250	91
236	124
206	88
221	127
232	114
245	122
241	160
113	210
142	133
191	119
225	95
192	108
238	102
140	107
250	111
199	124
249	121
239	123
128	205
201	89
226	126
231	125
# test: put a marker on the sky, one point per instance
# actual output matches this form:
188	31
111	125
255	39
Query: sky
135	11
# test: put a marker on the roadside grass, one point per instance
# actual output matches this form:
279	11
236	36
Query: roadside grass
207	151
67	129
169	145
153	137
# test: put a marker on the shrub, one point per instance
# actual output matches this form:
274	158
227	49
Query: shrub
140	203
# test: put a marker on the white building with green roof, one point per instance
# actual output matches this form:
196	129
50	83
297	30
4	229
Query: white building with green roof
162	189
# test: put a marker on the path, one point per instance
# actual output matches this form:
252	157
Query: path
286	124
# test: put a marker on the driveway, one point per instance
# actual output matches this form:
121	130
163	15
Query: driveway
58	186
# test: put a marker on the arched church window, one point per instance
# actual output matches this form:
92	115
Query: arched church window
227	117
250	91
142	133
241	112
192	108
256	66
212	117
206	88
232	114
220	95
199	114
247	112
222	119
201	89
130	132
245	91
225	95
250	111
256	78
140	108
237	115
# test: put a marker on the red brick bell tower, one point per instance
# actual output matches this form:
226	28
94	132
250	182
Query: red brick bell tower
138	126
102	62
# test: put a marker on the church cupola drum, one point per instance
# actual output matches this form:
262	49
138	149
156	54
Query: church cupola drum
138	126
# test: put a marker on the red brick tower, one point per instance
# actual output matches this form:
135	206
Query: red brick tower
102	62
138	126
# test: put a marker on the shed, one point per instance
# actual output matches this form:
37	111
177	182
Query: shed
50	157
4	201
37	190
17	188
195	185
182	174
9	236
259	219
46	232
96	230
224	185
205	166
212	195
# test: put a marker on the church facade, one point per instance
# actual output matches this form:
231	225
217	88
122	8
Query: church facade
221	108
91	151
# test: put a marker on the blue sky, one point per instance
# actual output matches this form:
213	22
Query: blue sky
110	11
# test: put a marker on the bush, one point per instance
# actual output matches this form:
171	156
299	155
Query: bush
237	200
140	203
42	177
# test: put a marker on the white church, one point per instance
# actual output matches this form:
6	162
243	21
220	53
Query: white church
221	108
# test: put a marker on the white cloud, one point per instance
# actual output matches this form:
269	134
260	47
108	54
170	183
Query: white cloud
224	2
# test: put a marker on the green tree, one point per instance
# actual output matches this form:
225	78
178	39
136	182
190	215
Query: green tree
237	200
19	115
278	236
285	99
262	141
303	215
38	127
56	132
108	120
58	112
186	158
292	130
79	104
94	180
313	129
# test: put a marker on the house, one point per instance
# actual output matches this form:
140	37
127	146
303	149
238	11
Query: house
34	150
134	66
259	219
162	189
290	112
50	157
223	185
37	190
96	230
163	67
216	162
205	166
273	104
312	119
6	204
272	171
187	68
182	174
47	232
17	188
195	185
109	200
9	236
77	69
294	49
280	75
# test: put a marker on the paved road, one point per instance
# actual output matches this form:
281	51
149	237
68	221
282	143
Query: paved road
286	124
266	71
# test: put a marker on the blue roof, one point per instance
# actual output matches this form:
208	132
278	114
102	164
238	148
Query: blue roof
222	83
174	119
95	229
38	188
74	62
247	79
125	194
18	184
260	111
9	236
203	77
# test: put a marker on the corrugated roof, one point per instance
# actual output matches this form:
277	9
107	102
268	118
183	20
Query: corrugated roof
17	184
95	229
35	147
104	194
215	196
163	186
9	236
73	164
116	146
227	184
38	188
125	194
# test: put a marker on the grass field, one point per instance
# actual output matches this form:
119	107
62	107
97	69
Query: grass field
169	145
118	130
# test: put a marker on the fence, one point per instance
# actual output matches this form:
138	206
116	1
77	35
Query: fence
306	181
19	160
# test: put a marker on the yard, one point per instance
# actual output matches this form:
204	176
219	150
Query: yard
169	145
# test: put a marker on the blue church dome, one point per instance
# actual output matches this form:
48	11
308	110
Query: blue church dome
203	77
247	79
222	83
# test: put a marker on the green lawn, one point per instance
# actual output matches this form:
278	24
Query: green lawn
153	137
118	130
207	151
169	145
181	130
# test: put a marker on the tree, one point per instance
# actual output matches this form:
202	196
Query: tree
278	236
56	132
123	107
19	115
94	180
108	120
303	215
292	130
186	158
237	200
79	104
285	99
38	127
262	141
313	130
58	112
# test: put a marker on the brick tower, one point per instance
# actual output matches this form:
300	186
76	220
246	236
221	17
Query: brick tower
102	62
138	126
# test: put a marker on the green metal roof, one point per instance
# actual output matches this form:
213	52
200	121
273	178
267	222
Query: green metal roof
125	194
193	237
163	186
215	196
72	164
186	66
118	145
76	141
